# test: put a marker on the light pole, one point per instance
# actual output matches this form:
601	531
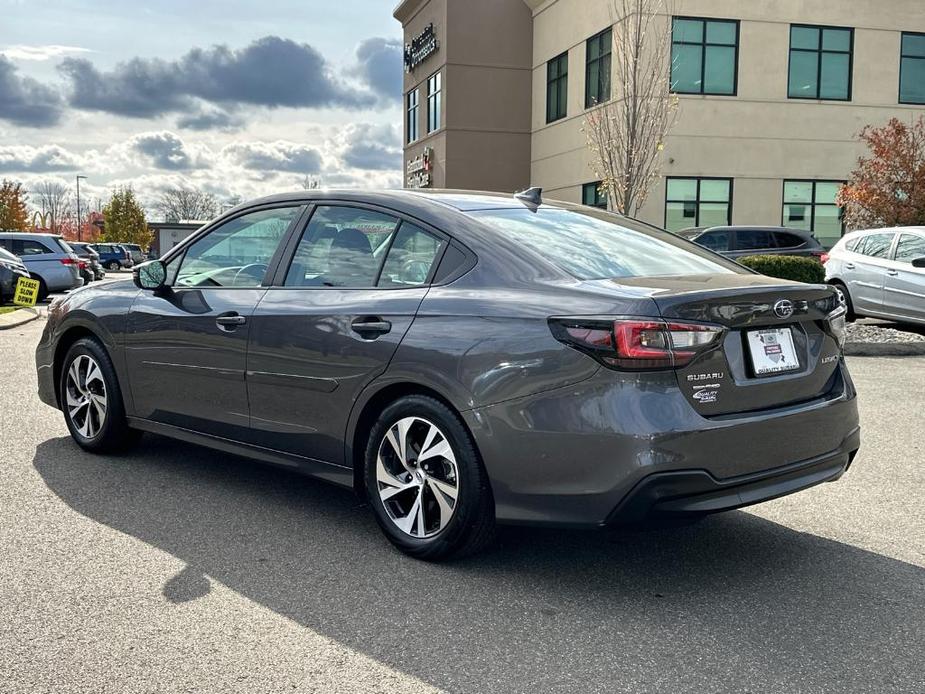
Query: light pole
78	207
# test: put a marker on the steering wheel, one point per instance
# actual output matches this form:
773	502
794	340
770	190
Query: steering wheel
248	271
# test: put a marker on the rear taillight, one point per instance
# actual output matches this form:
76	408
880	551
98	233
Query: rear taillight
637	343
69	261
821	256
838	324
82	264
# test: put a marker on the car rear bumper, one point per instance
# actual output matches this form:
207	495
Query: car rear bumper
616	448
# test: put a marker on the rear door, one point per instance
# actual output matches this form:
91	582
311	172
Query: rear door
904	285
332	322
185	346
865	271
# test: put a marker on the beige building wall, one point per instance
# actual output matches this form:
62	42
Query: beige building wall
758	137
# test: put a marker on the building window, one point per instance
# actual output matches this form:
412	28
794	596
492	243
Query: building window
912	69
593	196
597	68
704	56
820	63
434	89
556	87
810	206
697	202
412	107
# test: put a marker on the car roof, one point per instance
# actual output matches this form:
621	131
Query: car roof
754	227
31	234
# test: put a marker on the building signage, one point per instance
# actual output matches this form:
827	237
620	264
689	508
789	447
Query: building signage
421	48
419	171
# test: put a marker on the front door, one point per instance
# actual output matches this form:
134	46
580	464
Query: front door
354	285
185	346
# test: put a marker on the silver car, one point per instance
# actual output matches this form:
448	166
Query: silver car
48	259
881	273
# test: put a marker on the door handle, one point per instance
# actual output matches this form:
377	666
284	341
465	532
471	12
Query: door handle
850	266
367	327
230	320
892	273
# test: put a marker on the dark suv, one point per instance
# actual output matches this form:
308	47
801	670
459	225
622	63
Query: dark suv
113	256
739	241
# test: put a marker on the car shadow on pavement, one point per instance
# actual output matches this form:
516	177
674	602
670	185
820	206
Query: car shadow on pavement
734	603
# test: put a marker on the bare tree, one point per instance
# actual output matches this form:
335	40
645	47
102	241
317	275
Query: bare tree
626	134
187	203
54	203
310	183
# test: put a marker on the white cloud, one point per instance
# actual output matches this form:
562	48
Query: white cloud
47	52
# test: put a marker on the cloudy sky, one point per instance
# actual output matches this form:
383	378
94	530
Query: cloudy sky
236	97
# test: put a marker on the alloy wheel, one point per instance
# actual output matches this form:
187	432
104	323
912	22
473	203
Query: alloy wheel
86	396
417	477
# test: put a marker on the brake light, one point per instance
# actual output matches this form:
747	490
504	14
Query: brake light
82	264
823	258
69	261
637	343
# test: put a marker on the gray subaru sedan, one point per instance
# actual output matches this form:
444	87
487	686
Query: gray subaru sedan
465	359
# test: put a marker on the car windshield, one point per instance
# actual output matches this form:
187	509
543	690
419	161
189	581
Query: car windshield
599	246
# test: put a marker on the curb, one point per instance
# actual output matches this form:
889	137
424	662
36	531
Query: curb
884	349
12	320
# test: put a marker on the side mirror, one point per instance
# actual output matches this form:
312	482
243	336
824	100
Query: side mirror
918	262
150	275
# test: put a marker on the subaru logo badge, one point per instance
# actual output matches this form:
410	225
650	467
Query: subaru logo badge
783	308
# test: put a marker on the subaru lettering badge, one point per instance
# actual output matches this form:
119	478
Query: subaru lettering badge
783	308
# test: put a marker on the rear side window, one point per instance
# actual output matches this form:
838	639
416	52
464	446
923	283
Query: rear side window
910	247
411	257
876	245
63	245
594	245
754	239
341	247
785	240
714	240
29	247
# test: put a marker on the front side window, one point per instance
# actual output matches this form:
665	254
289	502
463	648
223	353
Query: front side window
820	63
341	247
912	69
434	92
597	68
556	88
697	202
909	247
593	196
594	245
810	206
237	253
412	124
704	54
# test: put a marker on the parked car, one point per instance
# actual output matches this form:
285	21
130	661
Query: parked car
135	251
11	269
113	256
48	259
466	358
740	241
881	273
92	258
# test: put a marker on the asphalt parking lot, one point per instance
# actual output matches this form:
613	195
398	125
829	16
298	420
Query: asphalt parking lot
178	569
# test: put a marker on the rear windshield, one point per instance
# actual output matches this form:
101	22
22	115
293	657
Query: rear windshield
602	247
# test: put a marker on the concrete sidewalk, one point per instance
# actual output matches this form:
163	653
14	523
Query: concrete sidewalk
21	316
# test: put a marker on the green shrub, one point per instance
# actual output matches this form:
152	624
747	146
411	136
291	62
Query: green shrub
786	267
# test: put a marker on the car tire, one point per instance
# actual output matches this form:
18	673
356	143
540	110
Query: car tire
112	265
436	507
91	399
846	297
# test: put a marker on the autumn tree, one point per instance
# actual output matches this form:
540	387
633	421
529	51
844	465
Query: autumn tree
54	203
14	213
124	219
888	186
626	132
179	203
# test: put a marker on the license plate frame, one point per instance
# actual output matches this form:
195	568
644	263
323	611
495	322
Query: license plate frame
772	351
